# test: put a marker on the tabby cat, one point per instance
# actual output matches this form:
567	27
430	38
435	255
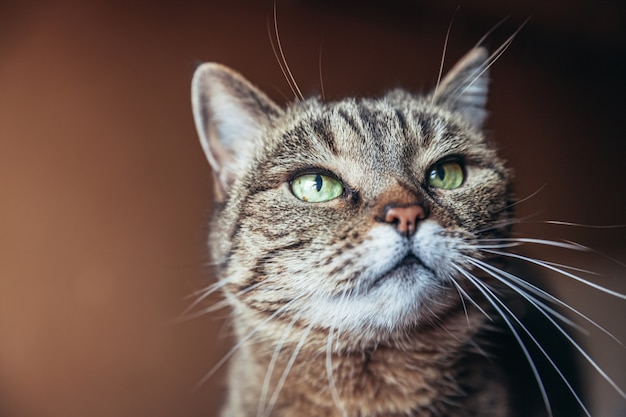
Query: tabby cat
358	244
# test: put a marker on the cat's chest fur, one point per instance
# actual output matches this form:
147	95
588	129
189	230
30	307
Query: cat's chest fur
349	243
433	377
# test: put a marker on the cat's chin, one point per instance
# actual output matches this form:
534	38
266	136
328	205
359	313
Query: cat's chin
399	299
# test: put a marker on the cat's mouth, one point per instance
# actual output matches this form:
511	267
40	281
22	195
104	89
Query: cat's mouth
409	259
404	269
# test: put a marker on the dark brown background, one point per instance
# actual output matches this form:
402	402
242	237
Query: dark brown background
105	192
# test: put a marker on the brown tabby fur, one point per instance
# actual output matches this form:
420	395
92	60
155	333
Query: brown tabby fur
312	287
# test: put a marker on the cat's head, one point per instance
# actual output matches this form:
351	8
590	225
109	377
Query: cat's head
358	214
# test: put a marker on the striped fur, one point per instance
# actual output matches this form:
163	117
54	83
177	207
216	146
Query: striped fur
327	323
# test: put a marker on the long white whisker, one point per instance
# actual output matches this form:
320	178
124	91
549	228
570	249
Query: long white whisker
203	293
200	295
565	244
491	60
272	365
604	375
241	342
280	64
560	271
513	243
283	377
486	35
329	364
492	245
202	312
463	294
502	224
546	355
329	373
587	226
319	64
523	200
543	294
494	301
443	55
288	74
545	242
610	258
462	297
185	315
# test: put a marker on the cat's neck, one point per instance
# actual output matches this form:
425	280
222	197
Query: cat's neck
413	375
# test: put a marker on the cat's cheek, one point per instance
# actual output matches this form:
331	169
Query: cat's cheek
437	248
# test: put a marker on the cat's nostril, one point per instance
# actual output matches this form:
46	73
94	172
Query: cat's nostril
405	218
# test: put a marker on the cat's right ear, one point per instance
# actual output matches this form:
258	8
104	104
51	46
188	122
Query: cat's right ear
464	89
230	115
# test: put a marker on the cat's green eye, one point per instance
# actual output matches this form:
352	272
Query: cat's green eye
446	175
316	188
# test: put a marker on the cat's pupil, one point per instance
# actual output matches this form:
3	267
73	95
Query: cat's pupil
441	172
318	182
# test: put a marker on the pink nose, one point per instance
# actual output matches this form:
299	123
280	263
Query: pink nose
405	218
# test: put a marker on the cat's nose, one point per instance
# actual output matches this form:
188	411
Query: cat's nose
405	218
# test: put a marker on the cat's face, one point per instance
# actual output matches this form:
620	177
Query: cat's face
356	215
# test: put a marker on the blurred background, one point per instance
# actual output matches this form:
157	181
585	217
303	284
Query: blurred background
105	193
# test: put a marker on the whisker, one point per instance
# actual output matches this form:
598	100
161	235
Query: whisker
586	226
491	246
201	295
283	62
490	61
280	64
525	199
494	301
241	342
329	365
565	244
501	275
464	293
187	315
545	242
543	351
486	35
572	245
513	242
458	289
501	224
543	294
443	55
288	367
560	271
593	363
205	292
605	256
319	65
272	365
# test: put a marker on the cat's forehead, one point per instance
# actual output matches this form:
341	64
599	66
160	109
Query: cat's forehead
395	135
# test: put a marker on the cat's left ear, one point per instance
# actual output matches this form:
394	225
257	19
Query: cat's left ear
464	89
230	115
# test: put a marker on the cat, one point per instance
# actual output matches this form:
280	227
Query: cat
359	245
